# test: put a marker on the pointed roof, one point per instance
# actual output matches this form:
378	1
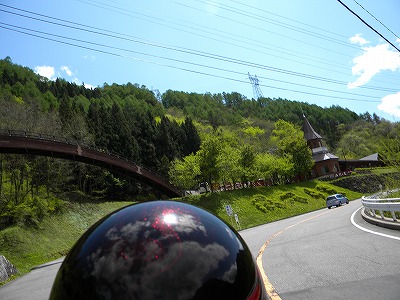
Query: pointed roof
309	132
324	156
374	157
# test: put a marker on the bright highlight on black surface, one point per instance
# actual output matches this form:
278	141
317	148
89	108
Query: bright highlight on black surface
159	250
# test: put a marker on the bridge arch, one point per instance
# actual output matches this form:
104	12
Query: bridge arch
19	142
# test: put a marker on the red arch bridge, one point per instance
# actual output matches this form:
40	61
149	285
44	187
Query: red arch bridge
20	142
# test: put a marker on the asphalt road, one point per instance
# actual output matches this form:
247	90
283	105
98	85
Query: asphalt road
319	255
36	285
323	255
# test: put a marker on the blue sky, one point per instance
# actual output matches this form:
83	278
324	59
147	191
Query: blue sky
310	51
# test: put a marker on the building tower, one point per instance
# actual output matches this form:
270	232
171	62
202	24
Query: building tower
256	87
325	163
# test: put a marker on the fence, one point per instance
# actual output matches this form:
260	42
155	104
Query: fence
389	206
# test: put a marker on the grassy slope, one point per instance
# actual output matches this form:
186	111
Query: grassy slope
256	206
28	247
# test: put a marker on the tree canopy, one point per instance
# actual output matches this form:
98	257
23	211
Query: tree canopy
187	137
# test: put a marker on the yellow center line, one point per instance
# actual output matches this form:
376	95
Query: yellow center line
272	293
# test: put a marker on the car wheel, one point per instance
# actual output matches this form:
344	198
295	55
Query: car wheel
329	207
347	202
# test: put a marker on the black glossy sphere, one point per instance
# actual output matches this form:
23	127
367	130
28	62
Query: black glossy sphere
158	250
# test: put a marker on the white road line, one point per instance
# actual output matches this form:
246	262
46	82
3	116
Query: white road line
371	231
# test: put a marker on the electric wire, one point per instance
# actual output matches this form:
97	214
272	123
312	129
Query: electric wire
373	29
190	70
181	61
175	60
377	19
192	52
187	51
269	31
323	61
278	23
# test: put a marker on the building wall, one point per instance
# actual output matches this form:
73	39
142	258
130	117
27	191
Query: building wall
326	167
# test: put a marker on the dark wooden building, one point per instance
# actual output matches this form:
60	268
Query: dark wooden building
326	163
370	161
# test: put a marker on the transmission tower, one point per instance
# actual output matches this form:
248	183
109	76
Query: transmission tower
256	87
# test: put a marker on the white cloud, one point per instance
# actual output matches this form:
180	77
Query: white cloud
49	73
89	86
357	39
45	71
391	104
66	70
374	60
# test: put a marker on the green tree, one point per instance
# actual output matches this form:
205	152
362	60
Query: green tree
390	147
185	172
247	162
289	141
228	164
277	169
208	154
191	142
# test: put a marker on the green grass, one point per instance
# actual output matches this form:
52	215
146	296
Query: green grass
56	234
384	170
27	247
256	206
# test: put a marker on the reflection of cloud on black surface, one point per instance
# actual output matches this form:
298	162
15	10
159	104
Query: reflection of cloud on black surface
188	223
195	263
230	275
139	252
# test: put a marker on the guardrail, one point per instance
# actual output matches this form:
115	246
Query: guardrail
373	205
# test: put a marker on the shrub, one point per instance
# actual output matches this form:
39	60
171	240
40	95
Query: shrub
325	189
263	204
30	212
314	194
287	195
301	200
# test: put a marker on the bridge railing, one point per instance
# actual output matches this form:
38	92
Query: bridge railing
389	206
54	138
48	137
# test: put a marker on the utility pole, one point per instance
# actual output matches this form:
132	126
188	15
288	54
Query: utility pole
256	87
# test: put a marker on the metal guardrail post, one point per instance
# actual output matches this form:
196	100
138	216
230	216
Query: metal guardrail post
393	215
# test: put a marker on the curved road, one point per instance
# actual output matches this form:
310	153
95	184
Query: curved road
326	254
329	254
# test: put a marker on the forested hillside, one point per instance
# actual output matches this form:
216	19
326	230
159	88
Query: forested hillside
186	137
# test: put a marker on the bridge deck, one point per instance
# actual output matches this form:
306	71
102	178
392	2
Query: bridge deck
24	144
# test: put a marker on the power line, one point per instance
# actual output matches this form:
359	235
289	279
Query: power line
377	19
368	25
182	50
275	22
107	33
170	66
323	61
281	51
269	31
